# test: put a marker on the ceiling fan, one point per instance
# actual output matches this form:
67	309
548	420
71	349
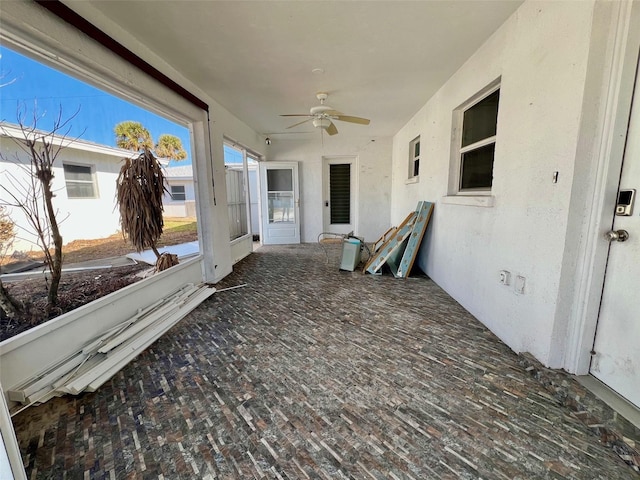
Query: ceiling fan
322	116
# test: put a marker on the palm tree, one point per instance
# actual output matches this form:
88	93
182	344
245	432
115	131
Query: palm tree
133	136
170	146
140	187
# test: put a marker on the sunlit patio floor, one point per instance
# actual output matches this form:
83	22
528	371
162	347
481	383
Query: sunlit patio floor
312	373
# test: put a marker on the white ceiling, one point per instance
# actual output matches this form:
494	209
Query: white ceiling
381	59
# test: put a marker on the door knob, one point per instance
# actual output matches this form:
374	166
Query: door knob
617	236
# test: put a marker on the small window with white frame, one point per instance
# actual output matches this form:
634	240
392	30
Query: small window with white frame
178	193
414	158
476	142
79	181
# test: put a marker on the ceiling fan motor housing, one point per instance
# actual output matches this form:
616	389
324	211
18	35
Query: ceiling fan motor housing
321	123
320	109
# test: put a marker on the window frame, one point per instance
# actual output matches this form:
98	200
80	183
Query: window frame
93	182
248	156
184	193
413	159
457	150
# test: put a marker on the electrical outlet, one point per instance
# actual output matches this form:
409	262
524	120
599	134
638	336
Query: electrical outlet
518	285
505	277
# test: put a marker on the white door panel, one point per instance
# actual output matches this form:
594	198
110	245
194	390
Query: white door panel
280	203
616	360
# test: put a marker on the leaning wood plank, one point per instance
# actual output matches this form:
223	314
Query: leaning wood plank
424	211
395	241
385	236
395	257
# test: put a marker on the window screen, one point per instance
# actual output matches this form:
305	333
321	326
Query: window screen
79	181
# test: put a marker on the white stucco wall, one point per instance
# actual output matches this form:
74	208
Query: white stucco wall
79	218
542	64
374	177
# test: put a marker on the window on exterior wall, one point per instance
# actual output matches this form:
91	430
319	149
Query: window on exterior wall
80	181
414	157
238	202
178	193
477	143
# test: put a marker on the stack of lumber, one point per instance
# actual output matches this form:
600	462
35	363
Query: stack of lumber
398	246
86	370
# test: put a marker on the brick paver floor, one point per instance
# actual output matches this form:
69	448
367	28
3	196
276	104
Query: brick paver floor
312	373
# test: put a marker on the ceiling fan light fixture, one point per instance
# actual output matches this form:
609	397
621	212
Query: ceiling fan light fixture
321	123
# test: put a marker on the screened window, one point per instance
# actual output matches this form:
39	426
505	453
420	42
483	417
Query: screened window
80	181
241	178
414	158
178	192
477	147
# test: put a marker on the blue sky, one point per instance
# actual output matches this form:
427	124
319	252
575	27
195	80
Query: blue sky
28	83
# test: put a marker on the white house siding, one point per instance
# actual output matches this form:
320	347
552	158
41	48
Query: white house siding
543	66
80	218
374	178
182	177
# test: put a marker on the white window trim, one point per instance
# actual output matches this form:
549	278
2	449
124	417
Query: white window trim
92	168
184	192
247	154
467	197
411	178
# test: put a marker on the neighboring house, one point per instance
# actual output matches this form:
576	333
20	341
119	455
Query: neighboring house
84	183
180	199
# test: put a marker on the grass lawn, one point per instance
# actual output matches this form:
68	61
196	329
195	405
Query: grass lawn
176	230
176	225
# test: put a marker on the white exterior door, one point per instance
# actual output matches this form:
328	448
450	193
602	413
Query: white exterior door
340	180
280	203
616	357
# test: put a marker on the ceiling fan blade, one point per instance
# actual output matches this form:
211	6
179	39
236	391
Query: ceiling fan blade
296	115
350	119
299	123
331	129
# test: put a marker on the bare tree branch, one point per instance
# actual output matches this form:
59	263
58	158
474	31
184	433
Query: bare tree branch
34	194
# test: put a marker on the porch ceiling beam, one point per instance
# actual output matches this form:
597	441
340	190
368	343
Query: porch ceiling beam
68	15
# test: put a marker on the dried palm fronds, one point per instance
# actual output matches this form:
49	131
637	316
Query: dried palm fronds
166	260
140	187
